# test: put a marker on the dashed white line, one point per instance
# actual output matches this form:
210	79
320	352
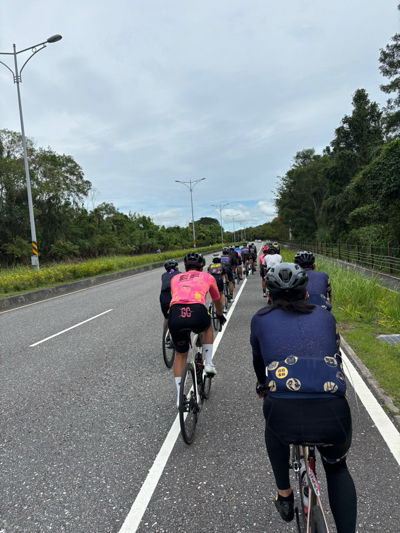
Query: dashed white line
68	329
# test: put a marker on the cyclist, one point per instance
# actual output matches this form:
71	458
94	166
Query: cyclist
235	259
253	255
229	262
171	267
188	311
277	247
271	258
245	255
238	250
304	389
263	270
319	287
218	270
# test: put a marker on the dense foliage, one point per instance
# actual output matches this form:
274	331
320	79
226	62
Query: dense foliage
65	228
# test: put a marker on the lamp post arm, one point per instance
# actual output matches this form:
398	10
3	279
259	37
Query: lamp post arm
30	57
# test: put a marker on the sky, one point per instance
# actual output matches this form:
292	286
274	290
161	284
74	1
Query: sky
144	93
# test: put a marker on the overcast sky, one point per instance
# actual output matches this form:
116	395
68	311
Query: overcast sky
145	92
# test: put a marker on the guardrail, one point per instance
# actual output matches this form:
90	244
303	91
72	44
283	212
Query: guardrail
382	258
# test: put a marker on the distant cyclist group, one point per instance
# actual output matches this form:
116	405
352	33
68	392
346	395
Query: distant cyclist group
296	357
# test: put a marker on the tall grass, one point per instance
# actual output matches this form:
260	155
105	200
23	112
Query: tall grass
22	279
360	297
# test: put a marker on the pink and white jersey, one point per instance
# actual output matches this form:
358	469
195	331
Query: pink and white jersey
192	287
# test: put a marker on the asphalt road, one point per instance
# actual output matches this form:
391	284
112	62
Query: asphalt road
85	413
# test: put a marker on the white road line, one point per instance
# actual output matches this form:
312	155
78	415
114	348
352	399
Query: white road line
68	329
142	500
383	423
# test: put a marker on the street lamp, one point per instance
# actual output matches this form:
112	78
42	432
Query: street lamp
17	79
241	222
191	187
233	222
220	217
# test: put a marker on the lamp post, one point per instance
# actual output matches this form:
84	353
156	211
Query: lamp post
220	217
17	79
233	222
241	222
191	187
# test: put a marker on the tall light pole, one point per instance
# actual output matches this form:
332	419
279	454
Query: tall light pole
241	222
17	79
233	222
191	187
220	206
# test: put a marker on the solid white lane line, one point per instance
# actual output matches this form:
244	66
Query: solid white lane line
68	329
143	498
383	423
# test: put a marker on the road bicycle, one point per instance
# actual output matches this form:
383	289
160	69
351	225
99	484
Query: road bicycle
168	347
194	389
247	268
311	518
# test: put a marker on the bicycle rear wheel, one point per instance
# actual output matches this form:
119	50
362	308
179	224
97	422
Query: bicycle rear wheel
318	524
167	347
188	407
207	380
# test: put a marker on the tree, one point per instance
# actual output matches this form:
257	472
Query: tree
389	59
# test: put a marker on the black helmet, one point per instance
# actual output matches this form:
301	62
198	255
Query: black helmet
194	259
286	280
272	249
171	264
244	243
304	259
225	250
216	258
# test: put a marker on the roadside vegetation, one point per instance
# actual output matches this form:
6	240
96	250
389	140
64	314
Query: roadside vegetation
22	279
365	309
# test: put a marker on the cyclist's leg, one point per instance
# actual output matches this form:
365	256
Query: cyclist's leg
341	489
230	284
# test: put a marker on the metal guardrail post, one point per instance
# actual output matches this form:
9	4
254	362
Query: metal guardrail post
390	258
372	256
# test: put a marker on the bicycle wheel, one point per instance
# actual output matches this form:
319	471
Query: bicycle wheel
301	517
167	347
318	524
215	322
188	408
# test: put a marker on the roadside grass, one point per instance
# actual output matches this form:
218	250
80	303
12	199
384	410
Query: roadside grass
365	309
23	279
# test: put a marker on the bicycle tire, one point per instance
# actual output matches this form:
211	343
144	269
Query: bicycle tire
207	381
168	353
302	523
188	407
318	524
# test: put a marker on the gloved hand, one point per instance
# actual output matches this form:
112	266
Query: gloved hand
221	318
260	389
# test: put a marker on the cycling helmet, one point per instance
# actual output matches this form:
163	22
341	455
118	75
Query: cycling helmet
304	259
286	280
216	258
171	264
244	243
265	249
195	260
232	248
272	249
225	250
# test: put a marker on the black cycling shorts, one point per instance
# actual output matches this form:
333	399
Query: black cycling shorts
228	269
220	282
187	316
165	300
245	257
